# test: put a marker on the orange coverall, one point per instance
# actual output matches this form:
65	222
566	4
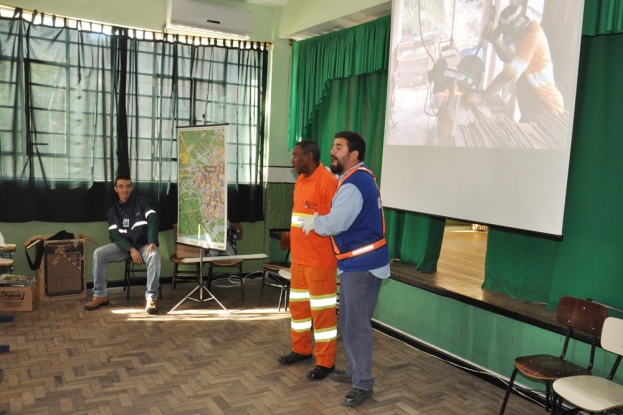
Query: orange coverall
313	286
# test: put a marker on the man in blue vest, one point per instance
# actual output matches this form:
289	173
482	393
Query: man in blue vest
357	228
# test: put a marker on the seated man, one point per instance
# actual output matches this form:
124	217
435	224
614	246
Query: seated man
133	229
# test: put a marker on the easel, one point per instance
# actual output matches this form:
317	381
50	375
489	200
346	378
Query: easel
200	287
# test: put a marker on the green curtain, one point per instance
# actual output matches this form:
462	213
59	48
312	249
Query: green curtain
587	263
602	17
357	103
359	50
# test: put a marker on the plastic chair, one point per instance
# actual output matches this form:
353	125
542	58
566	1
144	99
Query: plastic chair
575	314
286	275
593	393
271	276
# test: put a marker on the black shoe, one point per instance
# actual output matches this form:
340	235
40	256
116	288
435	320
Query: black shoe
293	357
342	376
356	397
319	372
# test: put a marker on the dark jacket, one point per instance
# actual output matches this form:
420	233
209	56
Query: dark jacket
142	226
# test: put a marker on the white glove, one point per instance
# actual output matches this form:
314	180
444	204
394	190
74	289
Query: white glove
307	223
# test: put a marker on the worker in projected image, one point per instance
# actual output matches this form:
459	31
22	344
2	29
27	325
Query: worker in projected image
133	230
313	288
528	63
357	229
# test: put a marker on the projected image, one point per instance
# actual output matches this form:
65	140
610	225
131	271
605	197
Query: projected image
487	73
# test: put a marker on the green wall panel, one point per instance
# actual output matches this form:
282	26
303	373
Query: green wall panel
18	233
481	337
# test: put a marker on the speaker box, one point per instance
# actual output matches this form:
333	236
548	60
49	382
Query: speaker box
64	270
62	274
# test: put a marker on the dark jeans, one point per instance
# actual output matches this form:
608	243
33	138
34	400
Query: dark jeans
358	292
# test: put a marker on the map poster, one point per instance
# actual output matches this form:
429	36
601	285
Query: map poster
202	186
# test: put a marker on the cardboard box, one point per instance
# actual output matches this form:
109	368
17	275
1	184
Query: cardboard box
183	250
19	298
62	274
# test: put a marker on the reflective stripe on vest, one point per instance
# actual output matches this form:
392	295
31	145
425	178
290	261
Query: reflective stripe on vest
367	248
358	251
297	217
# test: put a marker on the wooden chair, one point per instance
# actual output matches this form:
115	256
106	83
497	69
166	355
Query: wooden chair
574	314
183	275
271	276
135	271
231	263
234	263
6	263
593	393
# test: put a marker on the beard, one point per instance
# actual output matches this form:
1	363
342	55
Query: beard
338	168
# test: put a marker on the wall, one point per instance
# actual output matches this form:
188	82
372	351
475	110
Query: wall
18	233
484	338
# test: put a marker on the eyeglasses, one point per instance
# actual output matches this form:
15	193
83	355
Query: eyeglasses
123	187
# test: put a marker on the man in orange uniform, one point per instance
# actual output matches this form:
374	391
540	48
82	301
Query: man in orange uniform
313	287
529	64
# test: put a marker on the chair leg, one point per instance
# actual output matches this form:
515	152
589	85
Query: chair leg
282	295
173	281
241	280
285	291
262	286
549	397
557	405
209	282
126	276
508	391
130	271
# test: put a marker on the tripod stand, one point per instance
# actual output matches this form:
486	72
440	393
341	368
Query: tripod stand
200	287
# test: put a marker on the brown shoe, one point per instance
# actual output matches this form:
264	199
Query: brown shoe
95	303
151	307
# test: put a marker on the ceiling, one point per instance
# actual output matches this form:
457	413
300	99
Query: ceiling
343	22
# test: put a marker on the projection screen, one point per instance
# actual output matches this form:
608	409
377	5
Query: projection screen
480	108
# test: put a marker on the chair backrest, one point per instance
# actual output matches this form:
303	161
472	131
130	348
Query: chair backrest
285	241
583	315
612	335
239	233
285	244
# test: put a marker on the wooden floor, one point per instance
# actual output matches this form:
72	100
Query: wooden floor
460	275
200	360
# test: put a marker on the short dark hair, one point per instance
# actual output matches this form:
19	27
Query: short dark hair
309	146
122	176
355	142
